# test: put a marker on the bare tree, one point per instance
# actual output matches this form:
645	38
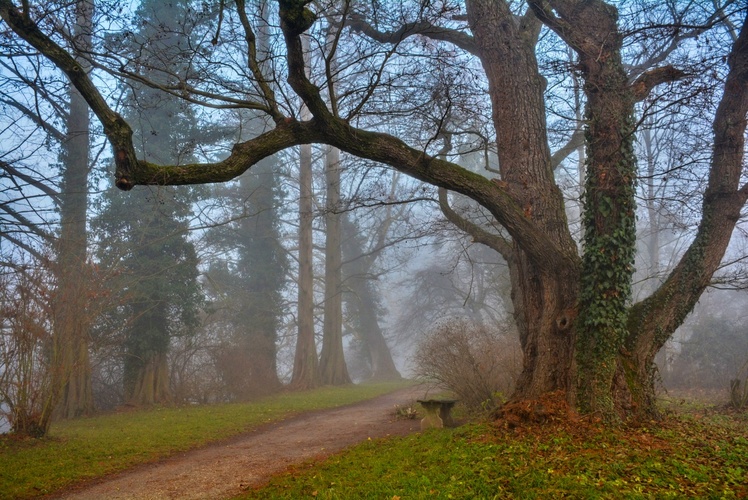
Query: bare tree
578	329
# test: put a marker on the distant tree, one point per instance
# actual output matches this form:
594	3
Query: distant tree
160	295
252	265
362	301
332	366
251	284
714	347
306	365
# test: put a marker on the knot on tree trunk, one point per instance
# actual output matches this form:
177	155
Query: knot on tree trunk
565	319
123	183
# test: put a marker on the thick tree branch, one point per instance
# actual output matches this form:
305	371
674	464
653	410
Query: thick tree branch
116	129
723	201
643	85
324	128
544	10
243	156
477	233
394	152
423	28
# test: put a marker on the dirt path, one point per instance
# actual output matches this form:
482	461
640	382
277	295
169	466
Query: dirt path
225	470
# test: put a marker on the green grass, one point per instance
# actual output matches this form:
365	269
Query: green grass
84	449
684	457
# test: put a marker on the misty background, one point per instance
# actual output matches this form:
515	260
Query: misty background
198	295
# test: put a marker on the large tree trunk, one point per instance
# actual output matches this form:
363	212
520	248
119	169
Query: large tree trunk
146	369
71	364
609	210
332	367
544	301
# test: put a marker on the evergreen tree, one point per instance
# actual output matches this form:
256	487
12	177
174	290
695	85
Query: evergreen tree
250	277
148	228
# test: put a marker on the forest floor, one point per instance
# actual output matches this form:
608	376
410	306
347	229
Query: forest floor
226	469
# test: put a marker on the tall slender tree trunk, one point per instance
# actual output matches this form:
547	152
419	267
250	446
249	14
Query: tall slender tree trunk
305	366
71	363
333	370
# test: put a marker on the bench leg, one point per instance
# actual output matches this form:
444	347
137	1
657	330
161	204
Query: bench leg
432	418
446	416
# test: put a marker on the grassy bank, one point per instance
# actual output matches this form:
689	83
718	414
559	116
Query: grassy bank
688	456
88	448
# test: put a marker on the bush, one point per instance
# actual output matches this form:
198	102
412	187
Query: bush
26	392
477	362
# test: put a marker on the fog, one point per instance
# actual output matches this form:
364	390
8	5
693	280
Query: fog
315	266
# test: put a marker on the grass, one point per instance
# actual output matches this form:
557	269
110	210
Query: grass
79	450
692	455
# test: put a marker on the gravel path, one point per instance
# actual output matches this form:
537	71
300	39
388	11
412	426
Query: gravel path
226	469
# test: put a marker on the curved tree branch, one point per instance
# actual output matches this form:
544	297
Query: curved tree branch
724	199
648	80
478	234
323	128
423	28
116	129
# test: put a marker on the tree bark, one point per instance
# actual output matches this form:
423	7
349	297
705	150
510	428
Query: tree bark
305	366
609	209
72	319
332	367
544	299
380	357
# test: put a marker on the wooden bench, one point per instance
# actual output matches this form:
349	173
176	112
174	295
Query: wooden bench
438	413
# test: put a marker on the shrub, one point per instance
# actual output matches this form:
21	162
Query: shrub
26	395
479	363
